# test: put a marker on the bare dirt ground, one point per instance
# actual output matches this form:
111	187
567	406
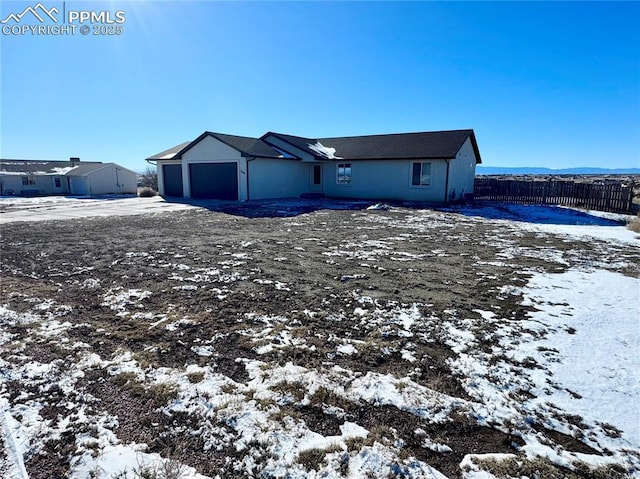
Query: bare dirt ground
224	341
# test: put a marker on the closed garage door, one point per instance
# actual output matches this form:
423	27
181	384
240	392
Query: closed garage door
214	180
172	175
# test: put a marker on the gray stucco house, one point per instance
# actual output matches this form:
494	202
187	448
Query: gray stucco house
428	166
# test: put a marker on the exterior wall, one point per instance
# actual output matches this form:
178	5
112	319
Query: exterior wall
385	179
462	172
111	180
274	178
44	185
79	185
64	185
211	150
127	179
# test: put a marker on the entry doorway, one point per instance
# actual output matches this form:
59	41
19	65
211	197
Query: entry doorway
316	178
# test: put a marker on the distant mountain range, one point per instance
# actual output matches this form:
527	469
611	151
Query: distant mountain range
498	170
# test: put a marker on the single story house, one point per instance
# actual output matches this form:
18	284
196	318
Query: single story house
430	166
73	177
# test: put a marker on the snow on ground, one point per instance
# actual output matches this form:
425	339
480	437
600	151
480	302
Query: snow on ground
574	354
68	207
599	363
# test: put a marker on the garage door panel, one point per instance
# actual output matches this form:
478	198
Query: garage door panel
172	177
214	180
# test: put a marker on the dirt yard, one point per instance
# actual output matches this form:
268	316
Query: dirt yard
345	342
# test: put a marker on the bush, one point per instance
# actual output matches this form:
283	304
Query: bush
147	193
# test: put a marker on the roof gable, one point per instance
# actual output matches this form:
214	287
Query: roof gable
247	146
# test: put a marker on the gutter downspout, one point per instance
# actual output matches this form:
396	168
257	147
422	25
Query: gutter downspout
247	176
446	184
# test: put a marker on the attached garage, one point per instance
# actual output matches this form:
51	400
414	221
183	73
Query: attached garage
217	181
172	175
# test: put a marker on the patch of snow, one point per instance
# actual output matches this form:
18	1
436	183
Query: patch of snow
119	299
324	151
346	349
62	170
599	358
379	207
14	451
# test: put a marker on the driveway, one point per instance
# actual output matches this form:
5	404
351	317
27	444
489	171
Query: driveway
62	207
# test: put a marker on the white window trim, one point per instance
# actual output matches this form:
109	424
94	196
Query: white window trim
338	182
31	180
411	185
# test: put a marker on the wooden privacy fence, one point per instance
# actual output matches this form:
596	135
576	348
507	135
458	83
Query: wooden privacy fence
614	197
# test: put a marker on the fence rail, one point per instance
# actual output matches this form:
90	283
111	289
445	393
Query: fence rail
612	197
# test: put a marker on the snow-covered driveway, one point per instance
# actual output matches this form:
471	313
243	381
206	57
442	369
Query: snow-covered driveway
63	207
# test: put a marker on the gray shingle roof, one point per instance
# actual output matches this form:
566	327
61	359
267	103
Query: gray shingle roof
38	167
246	145
170	153
427	145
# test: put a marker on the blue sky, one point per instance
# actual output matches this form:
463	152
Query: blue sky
553	84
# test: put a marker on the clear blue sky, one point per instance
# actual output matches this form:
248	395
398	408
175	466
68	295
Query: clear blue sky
542	84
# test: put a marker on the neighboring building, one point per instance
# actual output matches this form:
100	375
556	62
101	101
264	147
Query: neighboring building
74	177
431	166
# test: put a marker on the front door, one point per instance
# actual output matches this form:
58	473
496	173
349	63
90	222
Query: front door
316	178
58	185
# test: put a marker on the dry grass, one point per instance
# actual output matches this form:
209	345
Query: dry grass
195	377
634	224
518	467
313	458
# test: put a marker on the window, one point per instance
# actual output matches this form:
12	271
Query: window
57	182
344	173
28	180
285	154
421	174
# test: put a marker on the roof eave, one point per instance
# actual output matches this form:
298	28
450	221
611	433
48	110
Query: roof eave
474	145
399	158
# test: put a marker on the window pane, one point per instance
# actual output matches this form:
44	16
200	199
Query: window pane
344	173
425	177
415	177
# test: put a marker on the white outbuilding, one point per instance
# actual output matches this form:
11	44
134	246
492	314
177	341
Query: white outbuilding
73	177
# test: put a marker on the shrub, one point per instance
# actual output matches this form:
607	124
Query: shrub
168	469
634	224
147	193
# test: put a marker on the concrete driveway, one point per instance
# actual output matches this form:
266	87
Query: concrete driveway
62	207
